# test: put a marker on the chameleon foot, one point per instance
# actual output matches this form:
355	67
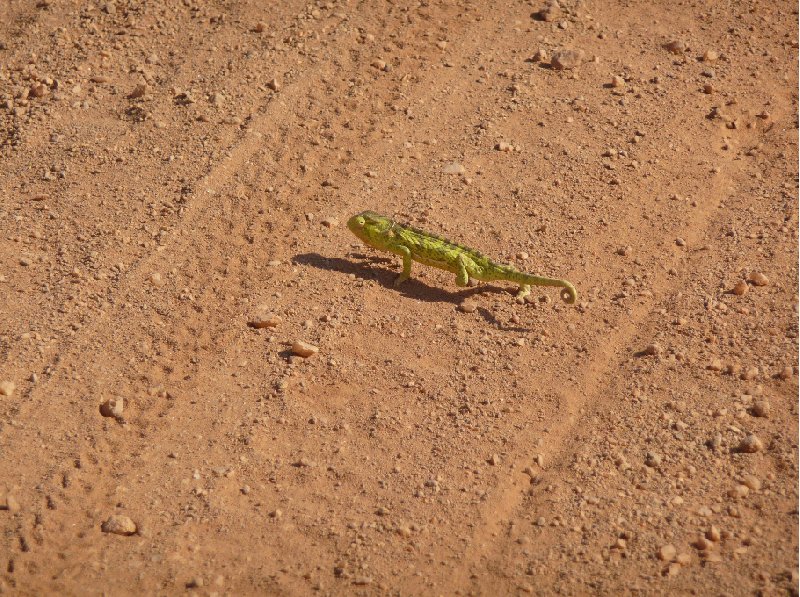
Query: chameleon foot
399	280
524	291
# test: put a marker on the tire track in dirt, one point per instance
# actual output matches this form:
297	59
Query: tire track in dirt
202	204
260	132
201	201
178	74
207	189
242	157
488	545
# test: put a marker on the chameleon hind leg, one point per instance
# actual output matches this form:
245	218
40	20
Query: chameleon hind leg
524	291
406	273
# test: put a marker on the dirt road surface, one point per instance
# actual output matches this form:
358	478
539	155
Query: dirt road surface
174	182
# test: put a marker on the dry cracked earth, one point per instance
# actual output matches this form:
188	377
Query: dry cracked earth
175	177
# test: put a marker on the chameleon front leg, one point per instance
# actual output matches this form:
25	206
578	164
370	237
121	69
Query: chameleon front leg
524	290
405	253
462	276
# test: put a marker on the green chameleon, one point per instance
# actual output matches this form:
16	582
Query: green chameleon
412	244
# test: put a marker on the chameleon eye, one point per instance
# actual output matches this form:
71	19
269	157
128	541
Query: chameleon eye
360	221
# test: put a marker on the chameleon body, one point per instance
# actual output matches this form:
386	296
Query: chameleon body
411	244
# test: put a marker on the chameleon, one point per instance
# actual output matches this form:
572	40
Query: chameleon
412	244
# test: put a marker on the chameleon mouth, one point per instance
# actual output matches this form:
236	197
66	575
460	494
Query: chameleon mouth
356	227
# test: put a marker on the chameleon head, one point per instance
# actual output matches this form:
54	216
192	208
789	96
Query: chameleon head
367	225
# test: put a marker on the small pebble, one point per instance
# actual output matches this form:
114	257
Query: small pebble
138	91
749	373
274	85
303	349
667	553
503	146
703	544
684	559
786	373
752	482
119	525
652	460
549	13
740	491
195	583
710	56
566	59
758	279
653	349
680	242
540	56
454	168
468	306
156	279
264	319
674	569
10	503
713	534
761	408
494	460
733	369
38	90
617	81
329	222
740	288
7	388
113	407
676	46
750	445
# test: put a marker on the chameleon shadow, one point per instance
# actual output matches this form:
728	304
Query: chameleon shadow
412	288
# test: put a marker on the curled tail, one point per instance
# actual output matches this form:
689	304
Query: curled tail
569	295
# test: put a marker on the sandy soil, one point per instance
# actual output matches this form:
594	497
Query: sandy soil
173	172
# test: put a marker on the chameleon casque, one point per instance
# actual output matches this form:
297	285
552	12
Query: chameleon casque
411	244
